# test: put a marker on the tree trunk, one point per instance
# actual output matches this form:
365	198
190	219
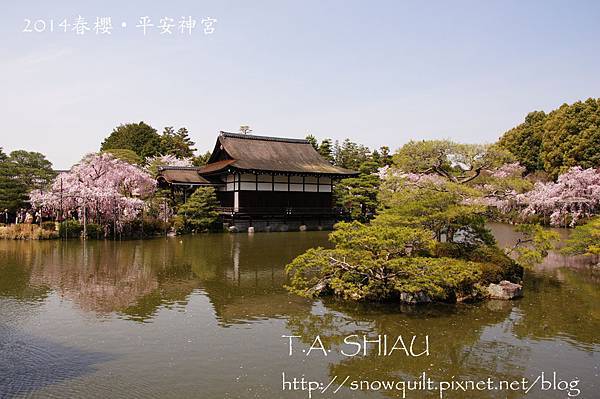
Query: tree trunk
84	221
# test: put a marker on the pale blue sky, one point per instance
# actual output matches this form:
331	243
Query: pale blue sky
378	72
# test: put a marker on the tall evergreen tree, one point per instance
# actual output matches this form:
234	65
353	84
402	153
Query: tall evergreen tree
199	213
177	143
12	191
566	137
32	169
326	150
350	155
140	138
313	141
358	195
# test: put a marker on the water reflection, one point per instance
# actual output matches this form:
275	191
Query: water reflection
132	303
238	273
466	341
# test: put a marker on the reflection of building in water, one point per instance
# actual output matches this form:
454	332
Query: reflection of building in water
244	277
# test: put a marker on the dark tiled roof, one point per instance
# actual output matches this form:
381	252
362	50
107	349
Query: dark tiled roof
277	154
182	175
216	166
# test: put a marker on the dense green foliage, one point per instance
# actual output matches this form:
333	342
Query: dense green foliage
358	195
350	155
388	263
585	239
140	138
199	212
143	140
326	150
525	141
439	207
201	159
20	173
126	155
534	244
70	229
459	163
12	191
32	168
425	245
566	137
177	143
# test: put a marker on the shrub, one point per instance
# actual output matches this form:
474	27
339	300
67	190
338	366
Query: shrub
70	229
396	263
155	227
585	239
136	229
199	212
179	223
94	231
49	226
356	275
495	264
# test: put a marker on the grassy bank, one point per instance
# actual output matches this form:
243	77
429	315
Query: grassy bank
26	232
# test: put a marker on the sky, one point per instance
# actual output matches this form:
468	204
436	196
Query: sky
377	72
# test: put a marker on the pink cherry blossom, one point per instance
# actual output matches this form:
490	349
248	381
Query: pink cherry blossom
575	195
169	160
107	189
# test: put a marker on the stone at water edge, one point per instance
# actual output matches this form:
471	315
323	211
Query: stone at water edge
303	227
250	230
505	290
233	229
415	298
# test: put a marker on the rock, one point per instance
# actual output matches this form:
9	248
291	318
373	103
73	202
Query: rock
303	227
284	227
416	298
233	229
468	297
318	288
505	290
250	230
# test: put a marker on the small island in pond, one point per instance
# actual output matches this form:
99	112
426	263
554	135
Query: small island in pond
408	226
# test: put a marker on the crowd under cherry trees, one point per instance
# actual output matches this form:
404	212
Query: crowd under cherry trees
100	188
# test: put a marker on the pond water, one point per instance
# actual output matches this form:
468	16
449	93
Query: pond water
203	317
